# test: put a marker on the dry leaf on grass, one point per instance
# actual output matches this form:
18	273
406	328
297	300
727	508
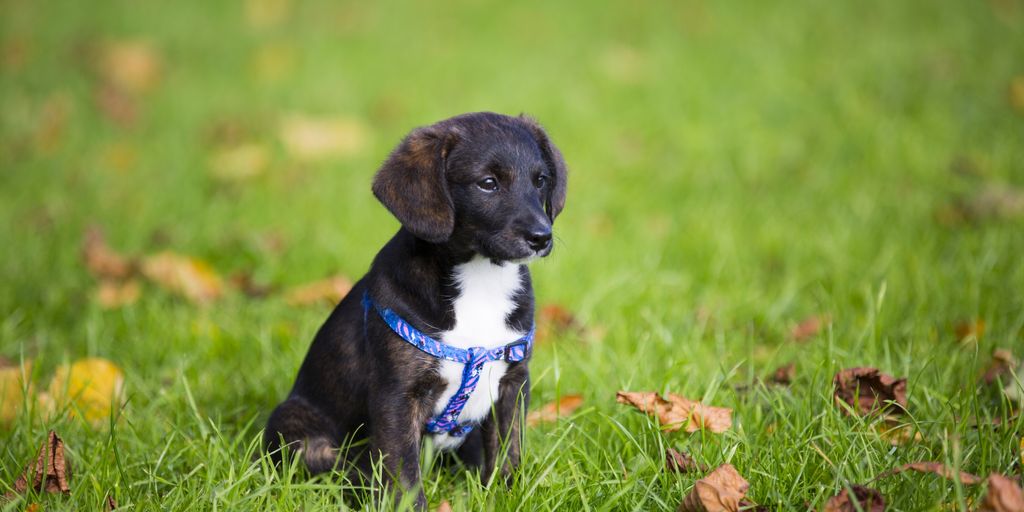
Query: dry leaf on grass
102	261
444	506
133	66
868	499
118	106
14	389
937	468
328	291
111	503
555	320
92	387
244	282
314	139
189	277
682	462
1004	495
1002	365
970	331
677	412
866	391
808	327
897	432
783	375
550	412
239	163
50	470
114	294
722	490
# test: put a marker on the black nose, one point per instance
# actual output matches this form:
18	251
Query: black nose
539	239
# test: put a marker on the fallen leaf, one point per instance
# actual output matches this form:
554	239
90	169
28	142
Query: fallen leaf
808	327
552	411
864	499
722	490
189	277
555	320
1016	94
328	291
937	468
118	106
244	282
239	163
1002	365
1004	495
677	411
681	462
1014	389
101	260
14	388
114	294
316	139
867	391
970	331
898	433
50	470
132	66
993	201
784	375
92	387
111	503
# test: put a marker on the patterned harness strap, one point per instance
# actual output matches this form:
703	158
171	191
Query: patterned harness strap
473	358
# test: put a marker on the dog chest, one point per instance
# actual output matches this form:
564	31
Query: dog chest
485	300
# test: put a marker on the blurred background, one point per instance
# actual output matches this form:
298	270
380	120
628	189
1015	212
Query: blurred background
735	167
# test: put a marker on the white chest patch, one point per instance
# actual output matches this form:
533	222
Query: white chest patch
484	301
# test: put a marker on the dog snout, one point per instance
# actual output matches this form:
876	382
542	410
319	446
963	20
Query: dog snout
539	238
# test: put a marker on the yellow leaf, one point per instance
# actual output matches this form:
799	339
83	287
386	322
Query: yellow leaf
13	389
91	387
113	295
131	66
316	139
189	277
239	163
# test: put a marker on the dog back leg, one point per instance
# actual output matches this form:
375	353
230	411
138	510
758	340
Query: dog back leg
302	429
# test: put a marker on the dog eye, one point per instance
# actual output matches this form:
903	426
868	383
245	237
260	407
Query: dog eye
488	184
540	181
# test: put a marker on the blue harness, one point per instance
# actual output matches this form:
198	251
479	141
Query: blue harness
473	358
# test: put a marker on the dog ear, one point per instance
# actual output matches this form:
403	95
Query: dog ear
412	184
556	164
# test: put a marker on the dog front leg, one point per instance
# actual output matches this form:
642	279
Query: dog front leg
503	430
396	442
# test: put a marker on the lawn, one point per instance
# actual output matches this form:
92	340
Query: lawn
736	168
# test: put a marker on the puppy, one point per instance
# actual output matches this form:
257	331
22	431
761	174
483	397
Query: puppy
434	340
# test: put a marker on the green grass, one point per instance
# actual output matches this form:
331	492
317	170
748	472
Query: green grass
754	161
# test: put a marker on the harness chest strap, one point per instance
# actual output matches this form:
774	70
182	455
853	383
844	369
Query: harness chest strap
473	359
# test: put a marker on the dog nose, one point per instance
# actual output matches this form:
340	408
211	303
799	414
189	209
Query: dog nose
539	239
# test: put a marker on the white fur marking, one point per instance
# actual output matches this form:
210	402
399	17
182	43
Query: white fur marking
484	301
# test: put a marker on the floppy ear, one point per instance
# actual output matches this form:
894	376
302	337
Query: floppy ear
556	164
412	185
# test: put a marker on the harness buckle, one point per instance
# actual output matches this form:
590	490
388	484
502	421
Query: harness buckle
507	352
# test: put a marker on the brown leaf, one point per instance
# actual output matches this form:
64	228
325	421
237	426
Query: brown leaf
808	327
1016	94
1002	364
555	320
445	506
552	411
132	66
868	391
315	139
328	291
244	282
682	462
1004	495
937	468
118	106
677	411
101	260
189	277
970	331
111	503
784	375
869	500
722	490
49	472
113	294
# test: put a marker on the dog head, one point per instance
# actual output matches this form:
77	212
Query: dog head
482	182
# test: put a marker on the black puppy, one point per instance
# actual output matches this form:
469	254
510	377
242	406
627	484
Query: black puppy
434	340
